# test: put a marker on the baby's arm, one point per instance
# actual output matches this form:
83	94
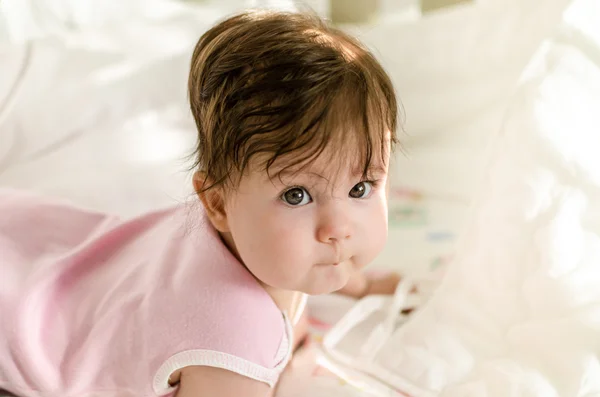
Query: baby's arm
199	381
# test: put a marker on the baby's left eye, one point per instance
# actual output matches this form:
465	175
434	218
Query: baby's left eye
361	190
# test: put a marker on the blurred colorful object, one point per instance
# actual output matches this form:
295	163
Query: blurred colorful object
406	208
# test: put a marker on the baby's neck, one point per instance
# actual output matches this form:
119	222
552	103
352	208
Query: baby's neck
287	301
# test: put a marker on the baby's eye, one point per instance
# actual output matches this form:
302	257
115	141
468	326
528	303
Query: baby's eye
361	190
296	196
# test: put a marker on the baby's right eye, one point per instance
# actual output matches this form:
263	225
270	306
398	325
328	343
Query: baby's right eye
296	196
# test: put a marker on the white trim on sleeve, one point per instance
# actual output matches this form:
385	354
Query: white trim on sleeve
211	358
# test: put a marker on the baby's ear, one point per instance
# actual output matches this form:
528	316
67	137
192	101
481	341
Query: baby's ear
213	200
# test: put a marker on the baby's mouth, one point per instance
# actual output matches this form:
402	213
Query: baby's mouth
334	263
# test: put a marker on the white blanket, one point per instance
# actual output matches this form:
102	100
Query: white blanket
519	311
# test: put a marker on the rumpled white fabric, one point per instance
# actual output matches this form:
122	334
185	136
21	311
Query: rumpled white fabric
518	313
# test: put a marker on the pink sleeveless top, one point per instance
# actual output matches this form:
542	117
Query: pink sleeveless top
93	305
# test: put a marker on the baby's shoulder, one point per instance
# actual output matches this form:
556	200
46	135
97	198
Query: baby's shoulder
218	315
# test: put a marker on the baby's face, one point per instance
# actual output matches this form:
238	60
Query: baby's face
310	230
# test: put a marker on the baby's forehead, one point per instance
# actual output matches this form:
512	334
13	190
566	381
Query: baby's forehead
329	167
348	153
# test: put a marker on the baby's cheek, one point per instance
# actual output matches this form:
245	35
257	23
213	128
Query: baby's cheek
381	237
287	243
376	234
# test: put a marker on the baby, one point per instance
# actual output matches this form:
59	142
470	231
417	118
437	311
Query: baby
296	122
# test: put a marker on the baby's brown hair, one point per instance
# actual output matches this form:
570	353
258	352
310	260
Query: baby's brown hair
278	84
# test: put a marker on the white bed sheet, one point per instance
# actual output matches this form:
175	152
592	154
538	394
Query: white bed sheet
101	117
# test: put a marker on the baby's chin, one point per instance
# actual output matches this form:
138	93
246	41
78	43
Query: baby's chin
328	278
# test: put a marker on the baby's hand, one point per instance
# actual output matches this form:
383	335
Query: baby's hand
370	283
382	284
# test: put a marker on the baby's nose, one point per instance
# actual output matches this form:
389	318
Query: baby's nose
334	228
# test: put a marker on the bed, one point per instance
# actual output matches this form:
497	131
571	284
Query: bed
98	115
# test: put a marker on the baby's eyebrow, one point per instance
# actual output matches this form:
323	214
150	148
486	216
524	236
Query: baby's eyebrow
316	175
372	170
295	173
